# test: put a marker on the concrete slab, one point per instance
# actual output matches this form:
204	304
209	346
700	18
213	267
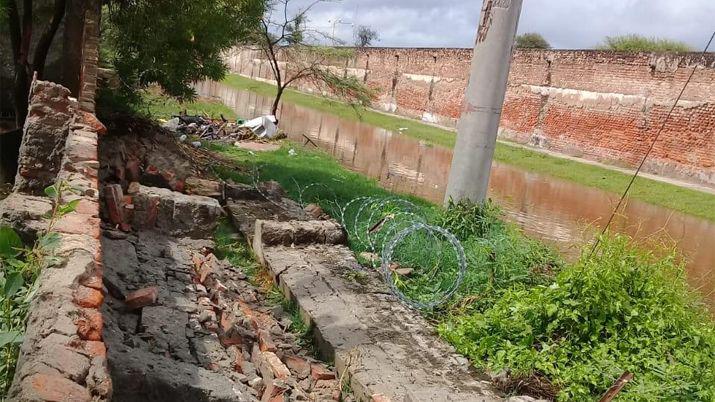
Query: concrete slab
383	346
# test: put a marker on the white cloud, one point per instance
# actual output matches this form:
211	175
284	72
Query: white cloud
564	23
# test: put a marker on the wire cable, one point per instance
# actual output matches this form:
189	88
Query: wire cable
652	144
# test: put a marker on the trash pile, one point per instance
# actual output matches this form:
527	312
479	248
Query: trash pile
205	128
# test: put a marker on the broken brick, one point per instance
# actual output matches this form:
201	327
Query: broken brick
298	365
265	341
44	387
320	372
88	297
113	198
142	297
89	325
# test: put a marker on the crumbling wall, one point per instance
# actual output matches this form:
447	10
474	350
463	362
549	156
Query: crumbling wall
599	105
62	356
44	137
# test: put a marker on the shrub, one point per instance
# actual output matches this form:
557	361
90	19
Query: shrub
621	309
637	43
532	41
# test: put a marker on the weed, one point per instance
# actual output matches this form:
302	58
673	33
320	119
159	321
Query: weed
621	309
20	267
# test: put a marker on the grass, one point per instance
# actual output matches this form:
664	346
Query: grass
562	330
152	103
666	195
623	309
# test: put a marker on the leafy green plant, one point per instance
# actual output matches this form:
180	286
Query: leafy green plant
532	41
638	43
20	267
621	309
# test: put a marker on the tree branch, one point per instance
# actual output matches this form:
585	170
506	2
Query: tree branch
24	50
13	17
43	45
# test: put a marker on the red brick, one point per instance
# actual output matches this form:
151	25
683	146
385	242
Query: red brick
113	200
89	325
88	297
93	122
142	297
277	367
75	223
298	365
43	387
320	372
265	341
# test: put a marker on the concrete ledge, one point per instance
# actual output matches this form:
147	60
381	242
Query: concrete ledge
382	346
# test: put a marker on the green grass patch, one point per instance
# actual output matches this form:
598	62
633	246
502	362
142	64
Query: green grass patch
571	329
680	199
153	104
622	309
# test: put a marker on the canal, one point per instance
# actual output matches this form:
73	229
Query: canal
559	212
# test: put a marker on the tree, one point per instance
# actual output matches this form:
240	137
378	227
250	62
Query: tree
364	36
532	41
638	43
26	60
293	54
173	43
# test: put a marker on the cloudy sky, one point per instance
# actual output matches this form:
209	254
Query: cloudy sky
570	24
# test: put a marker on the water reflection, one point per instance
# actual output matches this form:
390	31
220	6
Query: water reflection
554	210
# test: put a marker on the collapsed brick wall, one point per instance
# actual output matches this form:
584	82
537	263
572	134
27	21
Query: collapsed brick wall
62	356
599	105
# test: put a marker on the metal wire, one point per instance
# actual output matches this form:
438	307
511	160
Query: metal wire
381	225
650	148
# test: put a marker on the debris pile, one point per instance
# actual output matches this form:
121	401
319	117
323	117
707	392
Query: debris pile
173	303
205	128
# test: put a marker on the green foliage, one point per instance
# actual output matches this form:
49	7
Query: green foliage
19	268
638	43
364	36
174	43
532	41
621	309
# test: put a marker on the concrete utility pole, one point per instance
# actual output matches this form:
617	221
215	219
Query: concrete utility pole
479	123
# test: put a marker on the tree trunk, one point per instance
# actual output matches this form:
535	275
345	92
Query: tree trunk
21	95
277	101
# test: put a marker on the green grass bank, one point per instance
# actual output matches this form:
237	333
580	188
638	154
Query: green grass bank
564	331
681	199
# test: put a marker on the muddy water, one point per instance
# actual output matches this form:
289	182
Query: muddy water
553	210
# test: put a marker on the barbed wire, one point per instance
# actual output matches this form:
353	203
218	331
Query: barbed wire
422	264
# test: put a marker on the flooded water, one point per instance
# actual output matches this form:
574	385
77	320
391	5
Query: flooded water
556	211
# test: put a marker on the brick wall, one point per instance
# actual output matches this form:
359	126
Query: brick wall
598	105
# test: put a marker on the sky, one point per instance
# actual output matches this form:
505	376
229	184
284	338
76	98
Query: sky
566	24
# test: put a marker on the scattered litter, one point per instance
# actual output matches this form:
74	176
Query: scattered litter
173	124
402	129
262	127
196	144
187	126
291	152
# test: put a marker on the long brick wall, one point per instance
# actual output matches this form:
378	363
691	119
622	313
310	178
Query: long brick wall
602	106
